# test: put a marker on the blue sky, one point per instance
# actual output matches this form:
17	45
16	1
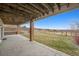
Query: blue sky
59	21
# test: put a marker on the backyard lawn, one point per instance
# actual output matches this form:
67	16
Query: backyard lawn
60	42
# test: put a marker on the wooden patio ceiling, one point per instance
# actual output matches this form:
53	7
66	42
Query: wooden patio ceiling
19	13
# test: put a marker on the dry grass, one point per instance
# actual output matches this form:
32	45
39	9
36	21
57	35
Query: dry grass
59	42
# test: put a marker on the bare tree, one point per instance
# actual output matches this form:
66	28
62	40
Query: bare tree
75	27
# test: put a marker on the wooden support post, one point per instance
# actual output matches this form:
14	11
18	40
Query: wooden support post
1	34
31	29
1	30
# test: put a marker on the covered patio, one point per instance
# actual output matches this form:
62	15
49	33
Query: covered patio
17	14
18	45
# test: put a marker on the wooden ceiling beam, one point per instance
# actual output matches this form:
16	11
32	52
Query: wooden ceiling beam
24	10
7	10
2	13
59	6
38	8
30	8
68	4
49	7
12	7
11	10
44	8
65	9
47	10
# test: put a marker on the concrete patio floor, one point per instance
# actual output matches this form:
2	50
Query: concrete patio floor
18	45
